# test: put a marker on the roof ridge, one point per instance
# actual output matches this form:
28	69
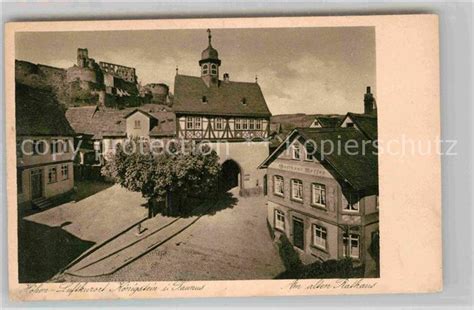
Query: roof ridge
362	115
222	81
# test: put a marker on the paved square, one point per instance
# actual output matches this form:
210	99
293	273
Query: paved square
227	243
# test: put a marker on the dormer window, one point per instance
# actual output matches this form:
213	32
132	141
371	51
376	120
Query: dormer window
296	152
204	99
205	69
243	101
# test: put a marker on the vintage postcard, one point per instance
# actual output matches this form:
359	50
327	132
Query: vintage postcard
223	157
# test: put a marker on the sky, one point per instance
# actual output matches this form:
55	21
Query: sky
300	70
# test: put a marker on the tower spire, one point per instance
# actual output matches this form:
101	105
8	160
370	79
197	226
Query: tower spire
209	36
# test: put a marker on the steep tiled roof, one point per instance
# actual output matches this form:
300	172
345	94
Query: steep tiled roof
166	125
112	122
39	113
329	120
366	123
357	167
281	125
226	98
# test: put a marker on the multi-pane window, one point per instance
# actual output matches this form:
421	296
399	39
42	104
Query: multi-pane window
64	172
193	122
138	124
238	124
251	124
258	124
296	151
297	189
279	220
189	122
197	123
319	236
245	124
351	245
52	175
318	195
353	205
219	123
213	69
278	185
205	69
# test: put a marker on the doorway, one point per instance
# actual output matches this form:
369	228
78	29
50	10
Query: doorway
298	233
36	183
230	176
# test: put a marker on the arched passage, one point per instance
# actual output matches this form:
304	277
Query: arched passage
230	176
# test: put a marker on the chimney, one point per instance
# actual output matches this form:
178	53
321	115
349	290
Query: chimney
369	102
226	77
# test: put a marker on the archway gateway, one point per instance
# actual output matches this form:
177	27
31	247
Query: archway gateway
230	175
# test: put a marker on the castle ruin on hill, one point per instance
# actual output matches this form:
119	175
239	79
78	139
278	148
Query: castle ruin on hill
93	83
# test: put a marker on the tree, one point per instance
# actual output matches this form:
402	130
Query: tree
167	177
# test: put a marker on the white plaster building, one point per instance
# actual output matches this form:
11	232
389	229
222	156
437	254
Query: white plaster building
44	148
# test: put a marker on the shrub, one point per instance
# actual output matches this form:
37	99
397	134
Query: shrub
288	255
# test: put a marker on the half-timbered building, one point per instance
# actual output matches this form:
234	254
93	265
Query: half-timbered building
232	117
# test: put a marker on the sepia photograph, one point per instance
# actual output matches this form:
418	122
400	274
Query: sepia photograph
190	154
196	155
